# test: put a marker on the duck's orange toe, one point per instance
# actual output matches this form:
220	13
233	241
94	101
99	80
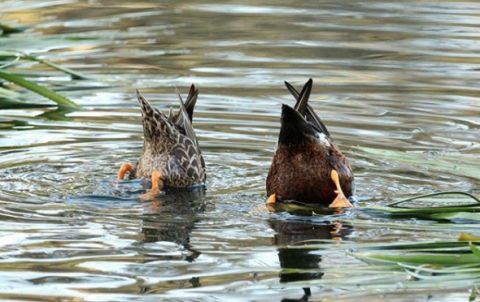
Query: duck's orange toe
272	199
157	185
340	201
124	169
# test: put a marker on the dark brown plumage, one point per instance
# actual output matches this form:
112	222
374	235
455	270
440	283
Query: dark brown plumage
305	156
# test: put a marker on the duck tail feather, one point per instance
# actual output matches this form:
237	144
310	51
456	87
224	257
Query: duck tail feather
293	91
155	123
310	114
184	122
302	100
191	101
147	109
315	120
301	103
294	128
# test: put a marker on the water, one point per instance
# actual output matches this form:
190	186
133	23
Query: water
395	82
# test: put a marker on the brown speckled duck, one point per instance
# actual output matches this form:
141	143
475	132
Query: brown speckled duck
171	156
307	166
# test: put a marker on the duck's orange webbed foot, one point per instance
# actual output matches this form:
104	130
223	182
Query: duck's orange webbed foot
124	169
157	185
272	199
340	201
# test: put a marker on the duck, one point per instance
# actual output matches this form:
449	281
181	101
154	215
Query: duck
171	156
307	166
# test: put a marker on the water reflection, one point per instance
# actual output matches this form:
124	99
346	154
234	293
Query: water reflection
300	263
396	85
172	218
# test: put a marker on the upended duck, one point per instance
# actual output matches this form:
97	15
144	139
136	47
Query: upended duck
171	156
307	166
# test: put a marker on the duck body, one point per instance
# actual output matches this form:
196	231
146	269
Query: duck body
181	163
305	156
171	155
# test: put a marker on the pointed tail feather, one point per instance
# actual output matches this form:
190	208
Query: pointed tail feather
145	105
189	104
310	112
191	101
155	124
185	122
302	101
301	104
171	115
294	128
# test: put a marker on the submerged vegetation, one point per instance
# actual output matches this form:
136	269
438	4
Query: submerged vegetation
425	263
439	257
449	261
5	29
9	99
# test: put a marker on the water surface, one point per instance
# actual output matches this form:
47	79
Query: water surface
395	82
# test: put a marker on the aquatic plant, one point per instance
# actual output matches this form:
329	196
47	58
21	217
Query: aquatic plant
432	261
6	29
10	99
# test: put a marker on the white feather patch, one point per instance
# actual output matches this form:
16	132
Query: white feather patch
323	139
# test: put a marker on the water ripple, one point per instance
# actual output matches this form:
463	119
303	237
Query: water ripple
395	82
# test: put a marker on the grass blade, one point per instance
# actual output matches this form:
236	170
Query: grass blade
472	197
9	104
11	63
475	250
11	54
418	258
75	75
45	92
422	212
9	30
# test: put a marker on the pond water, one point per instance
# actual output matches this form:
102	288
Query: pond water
397	84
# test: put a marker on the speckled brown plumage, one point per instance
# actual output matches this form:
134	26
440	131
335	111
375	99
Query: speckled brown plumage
305	156
170	145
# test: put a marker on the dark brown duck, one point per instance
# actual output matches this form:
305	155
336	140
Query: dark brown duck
307	166
171	156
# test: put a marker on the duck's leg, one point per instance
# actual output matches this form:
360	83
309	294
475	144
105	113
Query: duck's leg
272	199
157	185
124	169
340	201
